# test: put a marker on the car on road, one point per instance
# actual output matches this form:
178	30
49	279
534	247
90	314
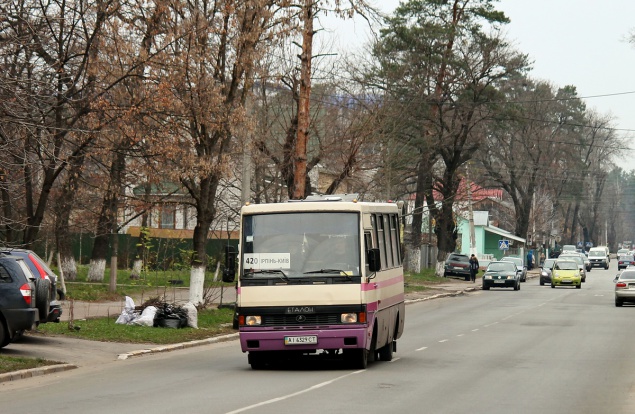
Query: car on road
501	274
622	252
579	260
457	265
599	257
17	299
545	271
625	261
566	272
625	287
49	308
520	266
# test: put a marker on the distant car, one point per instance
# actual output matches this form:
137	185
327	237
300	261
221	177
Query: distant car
49	308
545	271
623	252
457	265
520	265
625	261
566	272
598	258
579	260
17	297
501	274
625	287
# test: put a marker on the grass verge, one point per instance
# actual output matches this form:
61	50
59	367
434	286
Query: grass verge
419	282
11	364
211	322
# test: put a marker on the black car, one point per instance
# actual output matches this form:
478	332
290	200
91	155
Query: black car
501	274
49	308
457	265
17	298
545	271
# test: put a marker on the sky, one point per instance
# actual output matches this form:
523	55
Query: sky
571	42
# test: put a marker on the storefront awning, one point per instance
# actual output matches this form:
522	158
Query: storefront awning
504	233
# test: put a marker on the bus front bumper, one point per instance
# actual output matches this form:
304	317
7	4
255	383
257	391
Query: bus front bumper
303	340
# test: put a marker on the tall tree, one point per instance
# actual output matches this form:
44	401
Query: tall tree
444	47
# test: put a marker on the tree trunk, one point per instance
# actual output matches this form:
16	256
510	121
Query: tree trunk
300	161
199	261
107	219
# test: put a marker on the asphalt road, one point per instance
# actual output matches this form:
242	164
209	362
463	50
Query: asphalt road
537	350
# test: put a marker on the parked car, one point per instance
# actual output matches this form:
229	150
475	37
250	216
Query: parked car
457	265
501	274
625	261
17	299
520	265
625	287
566	272
579	260
49	308
545	271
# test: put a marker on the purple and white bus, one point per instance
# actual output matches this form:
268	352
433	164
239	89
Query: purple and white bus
320	276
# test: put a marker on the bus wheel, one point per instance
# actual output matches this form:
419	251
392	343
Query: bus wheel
385	352
256	360
360	358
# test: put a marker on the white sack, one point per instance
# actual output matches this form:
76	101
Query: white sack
128	314
146	318
192	315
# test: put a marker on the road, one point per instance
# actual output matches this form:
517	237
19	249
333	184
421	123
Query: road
538	350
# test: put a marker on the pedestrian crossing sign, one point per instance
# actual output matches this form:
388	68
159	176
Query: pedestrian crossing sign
503	244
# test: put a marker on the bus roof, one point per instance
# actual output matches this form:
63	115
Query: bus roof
324	203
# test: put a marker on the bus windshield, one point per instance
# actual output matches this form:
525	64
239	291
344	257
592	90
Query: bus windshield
300	245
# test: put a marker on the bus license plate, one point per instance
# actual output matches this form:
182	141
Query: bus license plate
300	340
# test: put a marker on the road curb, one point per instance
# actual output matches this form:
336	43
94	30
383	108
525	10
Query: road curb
35	372
173	347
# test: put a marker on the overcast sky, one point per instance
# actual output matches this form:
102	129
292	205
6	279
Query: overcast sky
571	42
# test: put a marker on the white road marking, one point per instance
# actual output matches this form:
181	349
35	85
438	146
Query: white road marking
286	397
443	340
474	330
395	359
421	349
494	323
460	334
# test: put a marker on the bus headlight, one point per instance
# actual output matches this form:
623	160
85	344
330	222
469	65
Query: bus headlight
348	318
253	320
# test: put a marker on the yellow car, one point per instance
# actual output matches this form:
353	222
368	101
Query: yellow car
566	273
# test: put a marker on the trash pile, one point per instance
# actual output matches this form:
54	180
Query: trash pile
158	313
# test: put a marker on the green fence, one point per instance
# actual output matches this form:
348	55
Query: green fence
161	253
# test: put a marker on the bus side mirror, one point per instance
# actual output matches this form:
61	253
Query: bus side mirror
374	260
229	272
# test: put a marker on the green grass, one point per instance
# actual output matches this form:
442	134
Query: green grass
11	364
419	282
210	322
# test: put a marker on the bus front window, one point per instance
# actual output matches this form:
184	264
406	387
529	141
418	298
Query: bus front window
301	243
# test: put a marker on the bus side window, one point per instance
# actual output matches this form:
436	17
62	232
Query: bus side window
368	244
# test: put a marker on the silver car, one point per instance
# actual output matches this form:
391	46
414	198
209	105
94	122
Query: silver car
520	266
625	287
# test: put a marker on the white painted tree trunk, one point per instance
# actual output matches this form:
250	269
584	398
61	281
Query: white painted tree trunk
137	265
96	270
412	261
197	282
439	268
69	267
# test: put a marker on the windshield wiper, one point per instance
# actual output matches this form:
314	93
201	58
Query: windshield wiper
339	271
280	272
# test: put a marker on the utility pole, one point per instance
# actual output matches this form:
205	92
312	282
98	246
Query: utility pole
470	212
